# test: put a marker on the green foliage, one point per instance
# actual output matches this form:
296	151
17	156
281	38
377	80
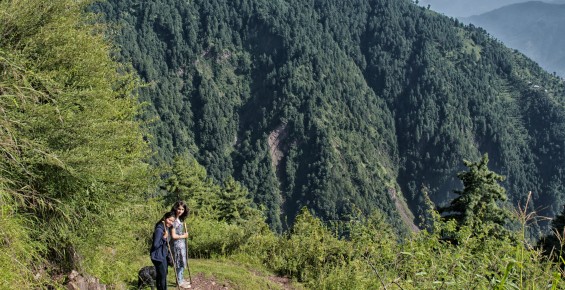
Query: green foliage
478	206
20	254
309	249
234	204
72	149
108	248
553	243
260	249
372	258
333	105
374	237
188	180
337	106
212	237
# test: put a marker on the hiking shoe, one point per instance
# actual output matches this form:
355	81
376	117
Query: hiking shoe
185	284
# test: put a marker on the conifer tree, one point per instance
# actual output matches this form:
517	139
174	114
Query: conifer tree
477	205
189	181
553	242
186	178
234	202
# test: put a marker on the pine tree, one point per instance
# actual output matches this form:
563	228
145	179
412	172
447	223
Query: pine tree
234	202
553	242
188	181
185	179
477	205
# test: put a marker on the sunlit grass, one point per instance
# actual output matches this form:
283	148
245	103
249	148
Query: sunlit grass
231	274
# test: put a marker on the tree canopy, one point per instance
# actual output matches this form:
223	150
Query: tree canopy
479	205
339	105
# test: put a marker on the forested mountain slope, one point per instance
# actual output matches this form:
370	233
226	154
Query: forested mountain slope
340	105
535	28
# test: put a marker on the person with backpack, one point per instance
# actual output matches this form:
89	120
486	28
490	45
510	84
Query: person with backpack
179	235
160	248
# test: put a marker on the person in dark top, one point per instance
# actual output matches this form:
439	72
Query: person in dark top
159	250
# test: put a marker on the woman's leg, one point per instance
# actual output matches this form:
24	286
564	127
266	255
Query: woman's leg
161	279
180	270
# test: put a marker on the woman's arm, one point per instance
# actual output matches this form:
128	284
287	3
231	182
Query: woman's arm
159	236
176	236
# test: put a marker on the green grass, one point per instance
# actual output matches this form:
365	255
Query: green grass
231	273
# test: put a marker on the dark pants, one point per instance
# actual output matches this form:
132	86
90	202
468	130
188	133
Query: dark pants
161	269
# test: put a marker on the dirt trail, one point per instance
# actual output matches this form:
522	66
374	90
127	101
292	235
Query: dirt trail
201	282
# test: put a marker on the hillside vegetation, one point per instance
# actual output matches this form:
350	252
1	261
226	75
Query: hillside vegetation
339	106
81	188
72	150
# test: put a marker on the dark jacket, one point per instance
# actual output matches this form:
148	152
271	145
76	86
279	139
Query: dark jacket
159	249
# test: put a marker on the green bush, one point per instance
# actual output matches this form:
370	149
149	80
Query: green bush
262	248
372	257
20	255
108	250
310	248
72	151
212	237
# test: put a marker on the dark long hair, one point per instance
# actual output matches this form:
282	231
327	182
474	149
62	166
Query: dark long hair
166	216
178	204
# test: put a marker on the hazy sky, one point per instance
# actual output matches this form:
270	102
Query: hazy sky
466	8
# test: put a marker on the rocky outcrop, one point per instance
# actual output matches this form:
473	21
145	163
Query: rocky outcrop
80	282
276	140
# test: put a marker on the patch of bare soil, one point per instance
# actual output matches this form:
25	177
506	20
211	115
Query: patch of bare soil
284	282
275	141
405	213
201	282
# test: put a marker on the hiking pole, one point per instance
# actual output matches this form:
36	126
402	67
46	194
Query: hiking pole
186	254
174	264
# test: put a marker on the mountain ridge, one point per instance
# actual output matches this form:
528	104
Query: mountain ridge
533	27
465	8
374	97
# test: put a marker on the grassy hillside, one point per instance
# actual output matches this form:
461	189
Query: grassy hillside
326	135
73	155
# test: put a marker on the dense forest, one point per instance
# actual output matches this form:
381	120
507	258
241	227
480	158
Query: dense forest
296	132
340	106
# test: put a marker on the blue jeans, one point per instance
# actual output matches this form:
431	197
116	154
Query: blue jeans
161	279
180	270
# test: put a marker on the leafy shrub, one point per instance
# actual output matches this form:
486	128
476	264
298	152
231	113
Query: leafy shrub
107	250
262	248
211	237
20	255
371	257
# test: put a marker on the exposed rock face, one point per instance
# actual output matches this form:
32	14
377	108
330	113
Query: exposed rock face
276	140
402	208
79	282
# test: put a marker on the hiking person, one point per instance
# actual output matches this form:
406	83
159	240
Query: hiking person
159	248
179	236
